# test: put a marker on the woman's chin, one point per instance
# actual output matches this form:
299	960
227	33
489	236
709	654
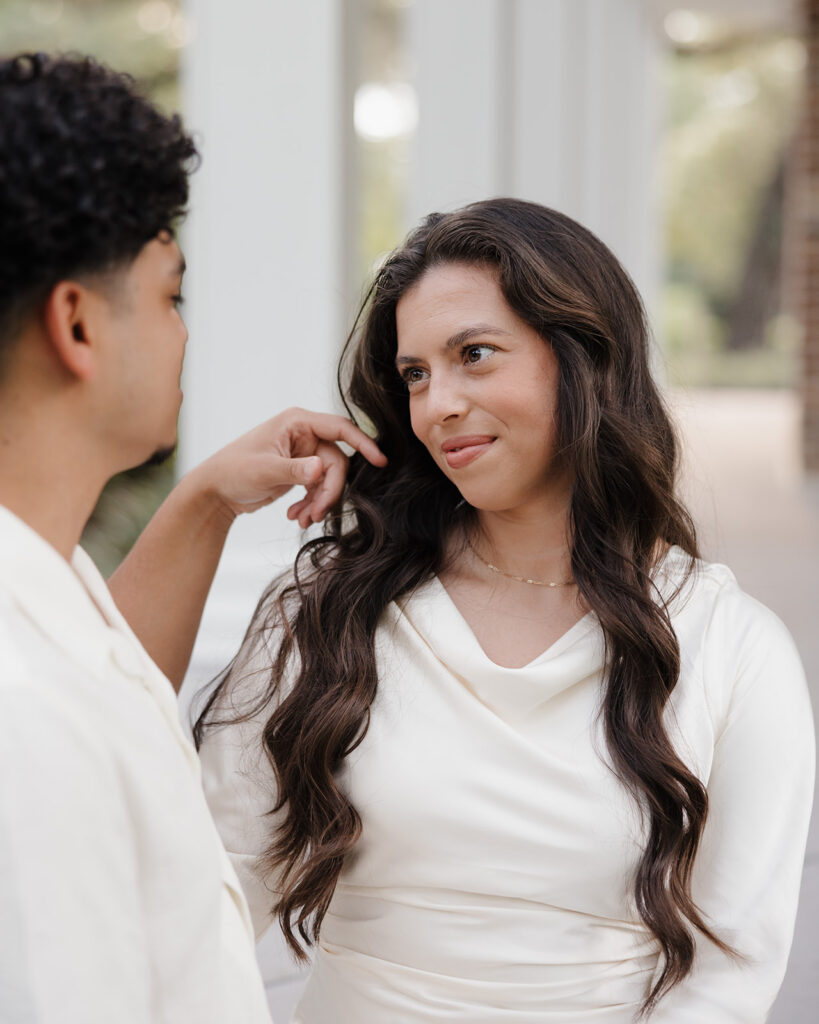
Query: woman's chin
484	501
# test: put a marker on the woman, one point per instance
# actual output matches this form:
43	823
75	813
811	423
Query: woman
527	757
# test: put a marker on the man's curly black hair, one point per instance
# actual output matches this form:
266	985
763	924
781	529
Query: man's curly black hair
90	170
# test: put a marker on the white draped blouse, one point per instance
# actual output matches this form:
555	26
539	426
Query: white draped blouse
493	880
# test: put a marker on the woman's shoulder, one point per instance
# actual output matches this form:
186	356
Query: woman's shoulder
695	588
706	601
732	641
686	582
681	577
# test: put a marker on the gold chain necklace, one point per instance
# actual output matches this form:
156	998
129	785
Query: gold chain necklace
511	576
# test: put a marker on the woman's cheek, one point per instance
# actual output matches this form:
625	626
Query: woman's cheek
417	424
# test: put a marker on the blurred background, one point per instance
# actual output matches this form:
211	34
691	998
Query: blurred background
686	137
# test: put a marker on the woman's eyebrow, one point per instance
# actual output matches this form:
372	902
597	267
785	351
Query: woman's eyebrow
479	330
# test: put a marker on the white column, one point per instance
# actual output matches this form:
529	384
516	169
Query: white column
549	100
264	94
458	77
267	92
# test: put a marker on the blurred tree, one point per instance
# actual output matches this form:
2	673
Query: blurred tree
142	37
758	296
733	109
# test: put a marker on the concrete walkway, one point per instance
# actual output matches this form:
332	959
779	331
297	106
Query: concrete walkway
758	514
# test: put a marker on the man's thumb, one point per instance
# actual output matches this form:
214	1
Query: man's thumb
306	471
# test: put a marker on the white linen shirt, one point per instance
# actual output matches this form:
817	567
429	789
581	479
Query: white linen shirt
118	904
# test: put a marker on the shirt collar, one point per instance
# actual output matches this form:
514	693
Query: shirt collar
71	604
51	592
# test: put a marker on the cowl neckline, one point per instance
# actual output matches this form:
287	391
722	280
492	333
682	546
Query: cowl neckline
571	660
509	692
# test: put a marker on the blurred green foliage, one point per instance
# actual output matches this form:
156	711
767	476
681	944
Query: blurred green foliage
125	506
732	116
143	38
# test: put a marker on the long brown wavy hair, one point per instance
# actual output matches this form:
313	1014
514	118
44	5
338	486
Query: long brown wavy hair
389	533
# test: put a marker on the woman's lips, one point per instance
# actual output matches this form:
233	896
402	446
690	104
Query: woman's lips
460	451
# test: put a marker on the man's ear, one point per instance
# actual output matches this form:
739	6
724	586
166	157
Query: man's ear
70	320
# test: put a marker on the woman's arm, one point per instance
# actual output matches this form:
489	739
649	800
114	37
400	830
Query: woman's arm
749	867
237	778
162	585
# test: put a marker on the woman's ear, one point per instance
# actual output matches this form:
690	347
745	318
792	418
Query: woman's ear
70	316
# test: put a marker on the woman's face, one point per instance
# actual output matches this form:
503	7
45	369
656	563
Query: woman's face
482	389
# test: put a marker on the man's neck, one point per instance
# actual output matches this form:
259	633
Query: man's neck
49	481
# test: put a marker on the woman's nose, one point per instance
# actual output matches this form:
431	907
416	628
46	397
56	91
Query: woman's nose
445	398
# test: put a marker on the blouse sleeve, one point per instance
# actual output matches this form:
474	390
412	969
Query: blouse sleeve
748	870
238	779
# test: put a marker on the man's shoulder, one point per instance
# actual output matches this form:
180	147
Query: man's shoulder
39	710
50	708
16	667
34	670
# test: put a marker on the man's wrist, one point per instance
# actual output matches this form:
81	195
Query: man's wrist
199	491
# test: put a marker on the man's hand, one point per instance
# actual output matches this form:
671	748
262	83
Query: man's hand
295	447
162	585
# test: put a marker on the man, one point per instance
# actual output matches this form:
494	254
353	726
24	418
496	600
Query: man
117	900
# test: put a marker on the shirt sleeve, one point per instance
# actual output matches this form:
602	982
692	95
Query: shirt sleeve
239	781
72	944
748	870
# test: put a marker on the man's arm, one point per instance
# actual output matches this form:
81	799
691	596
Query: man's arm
162	585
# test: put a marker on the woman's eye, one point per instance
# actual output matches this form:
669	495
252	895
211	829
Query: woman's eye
177	300
476	353
413	375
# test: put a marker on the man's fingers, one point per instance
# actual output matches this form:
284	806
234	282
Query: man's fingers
304	452
357	439
305	471
329	490
274	475
295	510
325	490
329	427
